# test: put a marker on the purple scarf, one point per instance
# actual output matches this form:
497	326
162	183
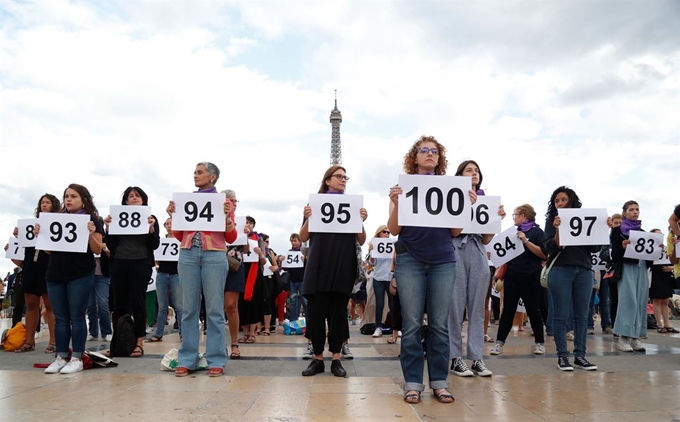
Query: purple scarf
480	192
628	225
335	193
209	190
526	226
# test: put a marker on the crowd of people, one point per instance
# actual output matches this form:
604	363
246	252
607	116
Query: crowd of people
437	277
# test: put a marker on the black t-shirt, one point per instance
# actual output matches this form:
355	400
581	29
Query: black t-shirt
66	266
167	267
528	262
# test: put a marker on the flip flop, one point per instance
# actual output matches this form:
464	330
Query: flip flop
153	339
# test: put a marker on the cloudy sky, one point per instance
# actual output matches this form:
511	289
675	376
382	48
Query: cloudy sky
541	94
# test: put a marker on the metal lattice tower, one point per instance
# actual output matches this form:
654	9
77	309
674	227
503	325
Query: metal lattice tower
336	119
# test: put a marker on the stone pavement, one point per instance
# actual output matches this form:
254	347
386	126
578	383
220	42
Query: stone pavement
266	385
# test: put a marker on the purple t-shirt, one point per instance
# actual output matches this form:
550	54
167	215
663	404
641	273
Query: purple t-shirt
427	244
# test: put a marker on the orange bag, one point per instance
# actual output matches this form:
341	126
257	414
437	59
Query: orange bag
14	338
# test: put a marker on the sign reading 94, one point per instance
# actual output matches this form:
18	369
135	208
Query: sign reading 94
434	201
335	213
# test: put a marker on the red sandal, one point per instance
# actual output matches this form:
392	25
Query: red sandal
215	372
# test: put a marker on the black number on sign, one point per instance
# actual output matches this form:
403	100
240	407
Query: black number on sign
499	249
173	249
650	250
385	247
29	233
328	212
509	245
577	225
57	232
16	250
640	246
481	214
293	259
451	208
136	220
191	210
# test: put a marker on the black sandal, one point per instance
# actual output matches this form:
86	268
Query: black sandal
235	354
671	330
412	398
137	352
443	396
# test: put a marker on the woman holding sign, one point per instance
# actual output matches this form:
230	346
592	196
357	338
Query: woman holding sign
425	272
330	271
470	291
203	268
70	279
570	282
382	275
522	279
631	313
131	262
34	268
660	291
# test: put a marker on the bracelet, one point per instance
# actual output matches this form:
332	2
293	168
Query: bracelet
525	242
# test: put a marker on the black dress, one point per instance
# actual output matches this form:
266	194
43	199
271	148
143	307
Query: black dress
331	265
662	283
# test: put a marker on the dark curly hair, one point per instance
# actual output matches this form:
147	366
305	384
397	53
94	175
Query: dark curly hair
56	205
410	166
574	201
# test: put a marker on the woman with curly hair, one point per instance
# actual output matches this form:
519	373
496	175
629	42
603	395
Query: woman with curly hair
425	272
34	268
570	283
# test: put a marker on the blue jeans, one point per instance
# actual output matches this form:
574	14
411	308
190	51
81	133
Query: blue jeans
631	316
165	282
295	293
570	287
98	308
422	284
551	312
69	303
379	289
204	271
603	306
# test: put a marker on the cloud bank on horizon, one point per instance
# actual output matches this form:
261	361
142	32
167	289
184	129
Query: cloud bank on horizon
540	94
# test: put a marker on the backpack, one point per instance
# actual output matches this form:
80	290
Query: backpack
124	340
367	329
14	338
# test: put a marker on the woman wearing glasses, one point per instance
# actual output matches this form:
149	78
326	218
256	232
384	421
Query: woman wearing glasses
382	275
425	273
330	271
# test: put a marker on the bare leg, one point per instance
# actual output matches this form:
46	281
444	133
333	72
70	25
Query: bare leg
49	317
267	323
665	312
231	308
658	313
32	316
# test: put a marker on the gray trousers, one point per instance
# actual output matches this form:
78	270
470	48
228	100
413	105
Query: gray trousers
469	291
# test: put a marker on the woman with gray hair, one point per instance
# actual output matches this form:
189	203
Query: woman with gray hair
203	268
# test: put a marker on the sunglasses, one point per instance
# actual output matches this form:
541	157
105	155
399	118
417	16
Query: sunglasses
385	232
426	150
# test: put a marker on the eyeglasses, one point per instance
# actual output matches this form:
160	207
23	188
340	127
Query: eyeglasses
340	177
385	232
233	201
426	150
515	215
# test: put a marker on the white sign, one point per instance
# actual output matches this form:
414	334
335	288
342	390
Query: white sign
644	245
495	293
14	251
382	247
252	256
597	263
583	226
662	258
434	201
168	250
241	238
199	212
25	235
520	306
485	218
266	271
129	219
293	259
505	246
63	232
335	213
152	282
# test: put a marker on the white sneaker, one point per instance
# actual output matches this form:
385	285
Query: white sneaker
478	368
460	368
624	345
539	349
636	344
56	366
92	338
377	333
73	366
108	337
497	349
309	353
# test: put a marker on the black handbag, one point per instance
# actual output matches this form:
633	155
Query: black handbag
614	272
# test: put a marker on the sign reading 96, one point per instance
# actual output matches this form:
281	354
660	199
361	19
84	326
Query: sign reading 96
199	212
335	213
434	201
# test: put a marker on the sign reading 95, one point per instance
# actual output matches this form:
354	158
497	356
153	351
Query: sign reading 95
63	232
129	219
335	213
434	201
644	245
199	212
583	226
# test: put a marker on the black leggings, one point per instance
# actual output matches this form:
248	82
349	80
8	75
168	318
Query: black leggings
130	278
613	299
528	288
330	306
